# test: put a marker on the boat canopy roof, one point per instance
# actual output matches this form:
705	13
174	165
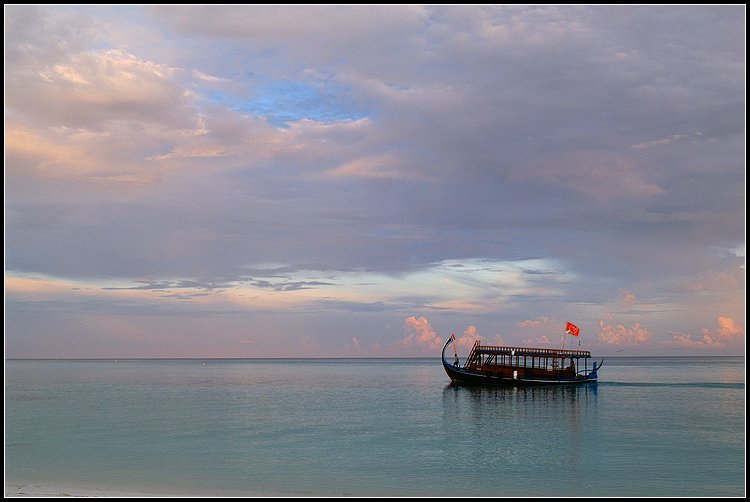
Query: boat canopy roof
529	351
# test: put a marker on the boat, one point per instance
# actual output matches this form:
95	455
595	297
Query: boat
501	365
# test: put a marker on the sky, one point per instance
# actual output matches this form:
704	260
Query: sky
363	181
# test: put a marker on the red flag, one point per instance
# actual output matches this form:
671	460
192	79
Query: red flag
572	329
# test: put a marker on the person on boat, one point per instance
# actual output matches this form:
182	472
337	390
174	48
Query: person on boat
455	361
571	369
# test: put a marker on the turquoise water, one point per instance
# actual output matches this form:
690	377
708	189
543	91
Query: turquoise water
369	427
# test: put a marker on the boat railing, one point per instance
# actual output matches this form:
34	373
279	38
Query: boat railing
528	351
522	350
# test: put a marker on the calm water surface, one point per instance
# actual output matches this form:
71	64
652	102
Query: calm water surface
650	427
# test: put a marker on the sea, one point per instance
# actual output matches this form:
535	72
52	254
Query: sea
651	427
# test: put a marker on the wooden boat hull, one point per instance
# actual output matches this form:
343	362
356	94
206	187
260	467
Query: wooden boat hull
463	376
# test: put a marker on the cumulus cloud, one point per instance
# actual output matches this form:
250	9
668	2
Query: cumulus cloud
623	335
727	334
466	340
420	335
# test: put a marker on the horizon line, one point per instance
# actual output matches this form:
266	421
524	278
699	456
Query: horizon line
115	359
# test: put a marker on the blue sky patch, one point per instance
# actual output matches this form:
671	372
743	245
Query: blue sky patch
286	101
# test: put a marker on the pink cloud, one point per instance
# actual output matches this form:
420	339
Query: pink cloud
726	335
467	339
622	335
471	331
536	331
600	175
421	335
532	323
377	167
90	89
628	298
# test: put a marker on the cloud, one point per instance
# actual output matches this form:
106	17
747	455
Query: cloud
420	336
94	118
599	175
536	332
381	167
39	161
628	298
470	332
36	35
287	285
89	89
728	334
37	287
313	32
208	78
533	323
166	285
657	142
622	335
57	154
467	339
